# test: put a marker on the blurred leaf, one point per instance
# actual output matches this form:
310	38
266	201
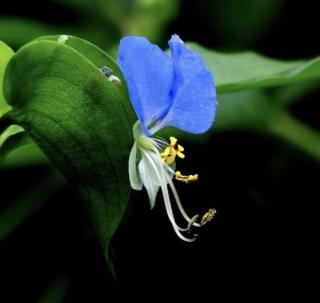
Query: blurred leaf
288	95
9	132
5	55
140	17
247	70
56	291
240	110
80	119
18	31
295	132
20	210
242	22
25	155
252	110
11	138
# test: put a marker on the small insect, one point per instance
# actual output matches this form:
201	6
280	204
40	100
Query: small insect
108	72
63	39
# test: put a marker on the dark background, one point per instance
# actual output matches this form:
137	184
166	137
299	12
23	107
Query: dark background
264	241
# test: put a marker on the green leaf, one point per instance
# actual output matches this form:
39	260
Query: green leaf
248	70
11	138
80	119
9	132
5	55
240	110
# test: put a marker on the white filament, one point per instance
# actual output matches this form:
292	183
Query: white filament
160	176
177	199
162	171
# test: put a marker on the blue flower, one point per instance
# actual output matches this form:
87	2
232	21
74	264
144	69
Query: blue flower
176	90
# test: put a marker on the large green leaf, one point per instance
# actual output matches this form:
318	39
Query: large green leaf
80	119
5	55
248	70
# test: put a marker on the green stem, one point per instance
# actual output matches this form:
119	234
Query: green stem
295	132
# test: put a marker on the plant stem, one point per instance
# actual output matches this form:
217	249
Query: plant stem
295	132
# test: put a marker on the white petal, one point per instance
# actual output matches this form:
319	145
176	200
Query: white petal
149	178
135	180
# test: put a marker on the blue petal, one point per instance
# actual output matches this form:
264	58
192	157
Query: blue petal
193	91
148	72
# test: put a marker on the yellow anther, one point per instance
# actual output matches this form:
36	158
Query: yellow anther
208	216
173	141
168	155
174	149
186	179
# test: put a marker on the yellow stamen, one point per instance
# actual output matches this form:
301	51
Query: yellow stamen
186	179
208	216
180	155
173	140
174	149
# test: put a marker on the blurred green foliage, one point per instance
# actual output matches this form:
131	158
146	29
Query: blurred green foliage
101	22
6	54
242	22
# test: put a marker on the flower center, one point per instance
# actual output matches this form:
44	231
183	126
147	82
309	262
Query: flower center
151	164
145	143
